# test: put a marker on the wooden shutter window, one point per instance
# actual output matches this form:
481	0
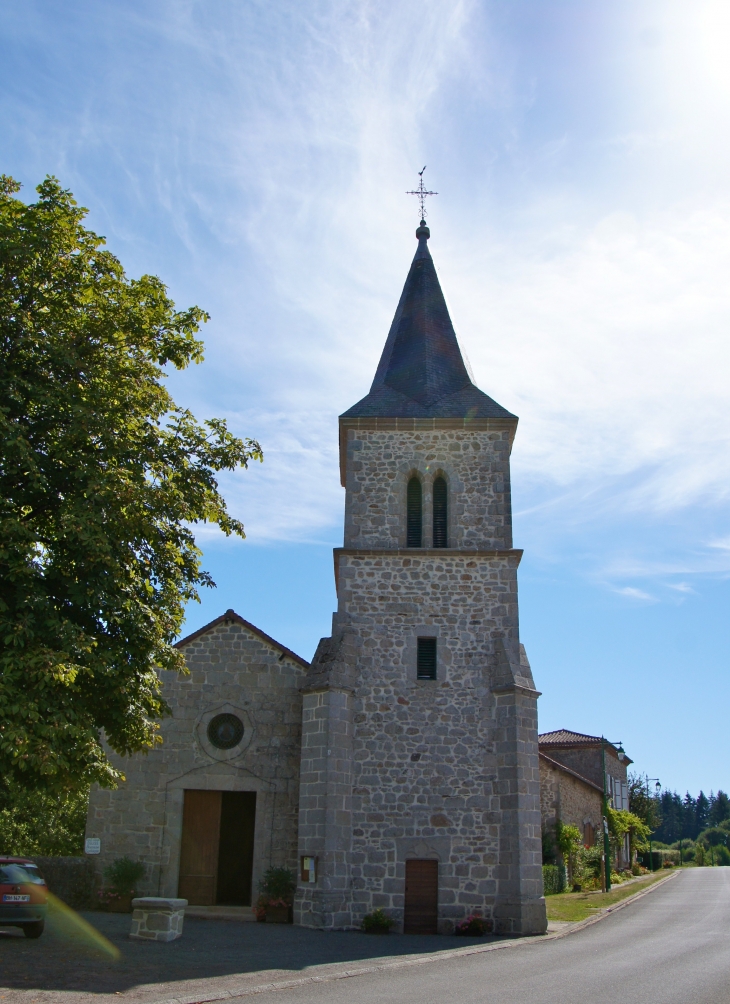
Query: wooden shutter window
426	659
414	513
440	525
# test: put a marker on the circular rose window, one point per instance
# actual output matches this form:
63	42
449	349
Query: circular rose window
225	731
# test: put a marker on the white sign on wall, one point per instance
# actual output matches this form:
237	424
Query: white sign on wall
93	845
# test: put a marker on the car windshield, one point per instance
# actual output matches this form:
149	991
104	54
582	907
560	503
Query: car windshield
14	874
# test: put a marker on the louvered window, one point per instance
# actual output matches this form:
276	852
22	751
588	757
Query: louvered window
440	525
414	514
426	659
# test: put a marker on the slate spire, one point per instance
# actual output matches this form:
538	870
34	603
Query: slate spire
421	373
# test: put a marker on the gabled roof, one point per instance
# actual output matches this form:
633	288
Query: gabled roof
421	373
230	616
565	739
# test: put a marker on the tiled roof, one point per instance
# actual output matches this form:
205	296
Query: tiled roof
564	737
231	616
421	373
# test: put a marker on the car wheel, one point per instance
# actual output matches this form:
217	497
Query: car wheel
34	930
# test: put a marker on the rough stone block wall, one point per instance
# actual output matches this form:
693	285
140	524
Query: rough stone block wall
549	796
231	669
442	769
429	779
475	464
588	763
568	799
325	819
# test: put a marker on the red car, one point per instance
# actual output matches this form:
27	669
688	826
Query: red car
23	896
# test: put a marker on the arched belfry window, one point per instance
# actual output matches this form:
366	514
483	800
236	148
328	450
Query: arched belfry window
414	513
440	504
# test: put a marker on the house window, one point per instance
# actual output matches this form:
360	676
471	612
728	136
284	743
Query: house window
440	525
414	513
589	836
426	659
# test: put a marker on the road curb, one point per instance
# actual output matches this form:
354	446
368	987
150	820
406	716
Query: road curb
421	960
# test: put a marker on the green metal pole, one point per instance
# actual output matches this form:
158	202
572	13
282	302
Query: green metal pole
651	856
606	843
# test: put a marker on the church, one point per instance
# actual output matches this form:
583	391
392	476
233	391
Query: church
399	769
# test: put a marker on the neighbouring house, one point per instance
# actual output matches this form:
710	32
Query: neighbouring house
572	783
400	769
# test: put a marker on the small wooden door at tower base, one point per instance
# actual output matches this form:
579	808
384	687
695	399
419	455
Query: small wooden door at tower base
422	897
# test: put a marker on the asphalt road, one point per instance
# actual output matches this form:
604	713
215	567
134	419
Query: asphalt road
670	947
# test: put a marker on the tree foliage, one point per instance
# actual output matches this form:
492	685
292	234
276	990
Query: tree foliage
642	802
620	822
49	823
685	818
569	841
102	479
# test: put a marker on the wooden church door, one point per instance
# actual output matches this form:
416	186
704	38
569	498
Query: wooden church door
422	897
216	851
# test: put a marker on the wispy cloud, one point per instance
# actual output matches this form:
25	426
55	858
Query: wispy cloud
277	142
635	594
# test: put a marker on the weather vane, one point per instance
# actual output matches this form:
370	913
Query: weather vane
422	193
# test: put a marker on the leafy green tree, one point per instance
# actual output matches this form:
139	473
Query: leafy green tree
714	836
51	823
621	822
642	803
569	841
102	479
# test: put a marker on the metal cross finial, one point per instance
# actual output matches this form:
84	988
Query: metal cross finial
422	193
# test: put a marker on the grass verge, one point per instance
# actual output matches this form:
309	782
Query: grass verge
575	906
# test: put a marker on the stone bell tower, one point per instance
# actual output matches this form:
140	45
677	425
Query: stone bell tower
419	777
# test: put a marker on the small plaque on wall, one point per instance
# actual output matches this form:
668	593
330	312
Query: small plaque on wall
92	845
309	870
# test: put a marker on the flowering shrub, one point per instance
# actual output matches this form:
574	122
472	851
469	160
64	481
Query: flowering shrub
473	927
276	888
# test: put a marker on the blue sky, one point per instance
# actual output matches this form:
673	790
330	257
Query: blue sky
255	156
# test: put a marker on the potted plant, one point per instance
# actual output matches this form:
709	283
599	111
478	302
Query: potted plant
121	877
377	922
276	888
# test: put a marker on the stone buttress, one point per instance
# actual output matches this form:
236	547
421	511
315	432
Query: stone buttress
405	759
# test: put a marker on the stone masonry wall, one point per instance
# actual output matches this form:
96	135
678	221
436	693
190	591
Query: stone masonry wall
231	669
587	762
425	764
444	769
568	799
475	464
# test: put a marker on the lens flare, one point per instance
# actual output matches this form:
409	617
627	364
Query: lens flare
69	924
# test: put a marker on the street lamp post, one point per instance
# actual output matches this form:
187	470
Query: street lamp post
657	786
606	843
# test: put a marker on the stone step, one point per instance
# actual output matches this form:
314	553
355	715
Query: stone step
240	913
